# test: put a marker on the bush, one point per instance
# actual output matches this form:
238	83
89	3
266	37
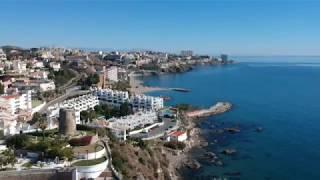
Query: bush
118	161
175	145
18	141
83	141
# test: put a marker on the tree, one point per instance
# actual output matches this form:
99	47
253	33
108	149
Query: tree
91	115
18	141
1	88
42	124
9	157
84	116
88	116
102	132
125	109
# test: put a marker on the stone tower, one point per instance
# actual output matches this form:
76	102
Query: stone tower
67	122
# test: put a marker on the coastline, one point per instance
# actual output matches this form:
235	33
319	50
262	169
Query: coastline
137	87
179	160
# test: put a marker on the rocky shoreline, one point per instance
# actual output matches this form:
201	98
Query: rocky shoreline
196	140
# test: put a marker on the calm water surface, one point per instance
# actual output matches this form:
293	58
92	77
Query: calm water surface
283	98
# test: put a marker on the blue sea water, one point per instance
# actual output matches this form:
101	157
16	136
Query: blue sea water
281	97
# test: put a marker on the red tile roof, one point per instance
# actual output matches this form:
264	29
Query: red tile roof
177	133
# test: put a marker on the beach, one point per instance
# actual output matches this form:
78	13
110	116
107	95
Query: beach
137	86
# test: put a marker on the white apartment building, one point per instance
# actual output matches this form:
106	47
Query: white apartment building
186	53
142	102
136	120
47	86
111	97
139	102
38	64
112	73
16	102
39	75
3	56
81	103
55	66
19	66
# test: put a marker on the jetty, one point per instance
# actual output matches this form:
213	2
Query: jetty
180	89
218	108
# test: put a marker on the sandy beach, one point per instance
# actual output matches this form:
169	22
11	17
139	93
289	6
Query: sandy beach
137	86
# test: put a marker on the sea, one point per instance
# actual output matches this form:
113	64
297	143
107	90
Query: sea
281	95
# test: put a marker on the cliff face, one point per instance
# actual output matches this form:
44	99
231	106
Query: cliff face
140	160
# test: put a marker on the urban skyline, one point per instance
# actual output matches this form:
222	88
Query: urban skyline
232	27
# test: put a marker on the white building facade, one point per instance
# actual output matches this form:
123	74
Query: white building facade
3	56
142	102
111	97
136	120
81	103
16	102
112	74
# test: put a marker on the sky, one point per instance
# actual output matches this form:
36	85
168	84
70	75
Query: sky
235	27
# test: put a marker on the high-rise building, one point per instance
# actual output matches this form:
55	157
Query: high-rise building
186	53
224	57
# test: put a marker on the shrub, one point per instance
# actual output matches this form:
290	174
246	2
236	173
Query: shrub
83	141
175	145
18	141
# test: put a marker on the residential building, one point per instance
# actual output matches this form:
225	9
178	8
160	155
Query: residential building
224	57
81	103
19	66
3	56
112	74
47	86
111	97
177	136
142	102
137	120
55	66
139	102
186	53
39	75
16	102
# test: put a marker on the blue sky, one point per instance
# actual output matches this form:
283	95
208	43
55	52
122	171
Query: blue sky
235	27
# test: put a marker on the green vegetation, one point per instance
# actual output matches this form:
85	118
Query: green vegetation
51	147
61	77
118	161
85	83
1	88
18	141
1	134
121	86
185	107
27	165
40	121
7	157
36	102
88	116
49	94
109	112
175	145
89	162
